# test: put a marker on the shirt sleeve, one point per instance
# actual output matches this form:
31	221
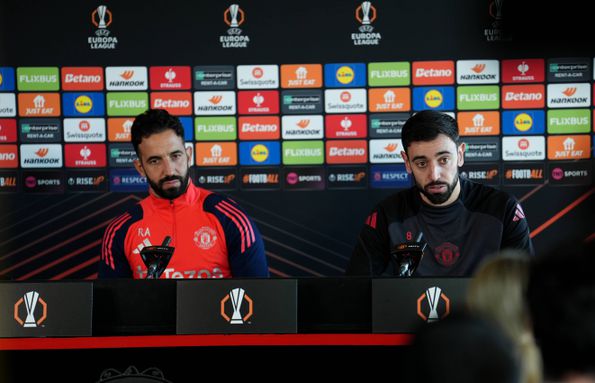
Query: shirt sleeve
113	263
245	247
371	253
516	229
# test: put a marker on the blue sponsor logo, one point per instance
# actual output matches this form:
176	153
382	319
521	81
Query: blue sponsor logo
389	176
188	125
345	75
83	104
523	122
127	180
434	97
6	78
260	153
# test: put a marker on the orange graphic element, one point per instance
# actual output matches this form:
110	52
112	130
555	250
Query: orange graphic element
478	68
82	78
346	152
216	154
569	92
433	72
127	75
303	124
240	17
523	96
421	299
389	99
245	317
371	15
42	152
108	16
391	147
259	128
215	99
561	213
482	123
118	129
39	104
176	103
44	314
568	147
301	76
8	156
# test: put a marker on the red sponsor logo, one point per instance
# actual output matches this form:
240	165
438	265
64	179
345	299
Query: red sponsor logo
258	102
433	72
259	128
523	96
529	70
170	77
84	155
176	103
8	130
82	78
346	125
347	152
9	157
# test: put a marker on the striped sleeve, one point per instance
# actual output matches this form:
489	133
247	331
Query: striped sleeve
244	244
113	262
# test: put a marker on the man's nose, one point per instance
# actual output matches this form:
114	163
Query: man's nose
435	172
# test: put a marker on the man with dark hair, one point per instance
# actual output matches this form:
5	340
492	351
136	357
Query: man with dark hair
561	295
212	236
462	222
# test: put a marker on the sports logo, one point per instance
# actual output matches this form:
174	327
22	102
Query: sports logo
236	298
447	254
29	301
205	238
433	305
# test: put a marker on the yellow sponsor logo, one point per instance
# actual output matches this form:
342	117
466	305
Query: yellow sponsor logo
433	98
259	153
83	104
523	122
345	75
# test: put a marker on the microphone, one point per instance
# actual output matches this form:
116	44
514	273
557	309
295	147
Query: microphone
156	258
407	256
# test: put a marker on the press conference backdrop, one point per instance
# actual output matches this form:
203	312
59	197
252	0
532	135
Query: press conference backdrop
293	109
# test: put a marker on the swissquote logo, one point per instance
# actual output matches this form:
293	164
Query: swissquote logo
240	311
27	307
433	305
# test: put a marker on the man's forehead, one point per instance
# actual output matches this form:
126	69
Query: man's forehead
438	146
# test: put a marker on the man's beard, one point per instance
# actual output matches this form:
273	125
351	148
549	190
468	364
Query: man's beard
438	198
171	193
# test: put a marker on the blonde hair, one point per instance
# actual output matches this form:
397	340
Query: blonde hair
497	292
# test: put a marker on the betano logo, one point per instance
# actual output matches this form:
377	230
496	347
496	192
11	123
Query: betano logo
83	104
523	122
259	153
345	75
30	300
478	68
236	297
433	98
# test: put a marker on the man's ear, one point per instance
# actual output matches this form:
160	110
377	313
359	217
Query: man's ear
461	154
189	153
139	167
407	164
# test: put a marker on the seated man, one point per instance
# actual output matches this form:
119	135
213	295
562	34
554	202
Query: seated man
463	222
213	237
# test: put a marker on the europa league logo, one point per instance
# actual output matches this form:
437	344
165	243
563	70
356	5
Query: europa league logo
234	17
237	297
101	18
30	301
365	14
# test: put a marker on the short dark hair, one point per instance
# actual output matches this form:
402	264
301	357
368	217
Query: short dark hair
427	125
151	122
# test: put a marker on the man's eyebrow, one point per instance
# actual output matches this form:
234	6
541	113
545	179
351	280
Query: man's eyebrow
436	155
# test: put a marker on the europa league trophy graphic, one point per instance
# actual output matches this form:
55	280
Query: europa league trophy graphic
407	256
156	258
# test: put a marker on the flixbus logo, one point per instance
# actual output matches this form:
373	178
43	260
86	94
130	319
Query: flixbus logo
38	78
